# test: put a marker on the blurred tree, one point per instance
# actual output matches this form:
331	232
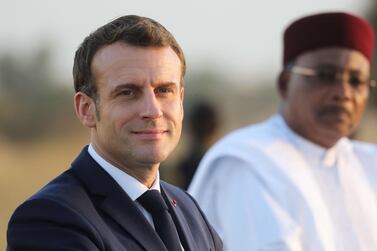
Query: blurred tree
31	99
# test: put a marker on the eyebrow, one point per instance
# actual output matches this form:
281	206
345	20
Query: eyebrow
168	84
121	87
336	67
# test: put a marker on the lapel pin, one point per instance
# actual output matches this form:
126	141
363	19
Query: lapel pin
173	202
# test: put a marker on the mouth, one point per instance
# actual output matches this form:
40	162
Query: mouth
335	111
150	134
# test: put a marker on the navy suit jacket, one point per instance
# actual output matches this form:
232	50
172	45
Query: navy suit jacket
85	209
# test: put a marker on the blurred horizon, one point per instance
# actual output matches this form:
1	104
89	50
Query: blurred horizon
241	39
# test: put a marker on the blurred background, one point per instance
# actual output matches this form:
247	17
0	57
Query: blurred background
233	51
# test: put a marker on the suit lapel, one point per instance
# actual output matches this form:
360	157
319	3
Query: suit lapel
117	204
124	211
180	221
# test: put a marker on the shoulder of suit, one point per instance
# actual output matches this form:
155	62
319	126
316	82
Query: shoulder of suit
65	189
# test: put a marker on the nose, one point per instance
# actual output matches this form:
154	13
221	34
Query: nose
343	89
150	106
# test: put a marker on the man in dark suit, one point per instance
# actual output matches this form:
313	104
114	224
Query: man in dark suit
128	77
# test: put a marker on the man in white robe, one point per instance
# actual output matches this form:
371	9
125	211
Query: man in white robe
296	182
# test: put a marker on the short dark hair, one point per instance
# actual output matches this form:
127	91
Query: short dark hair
130	29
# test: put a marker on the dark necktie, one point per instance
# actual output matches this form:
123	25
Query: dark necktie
153	202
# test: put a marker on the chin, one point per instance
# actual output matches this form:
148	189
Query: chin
342	130
154	157
332	135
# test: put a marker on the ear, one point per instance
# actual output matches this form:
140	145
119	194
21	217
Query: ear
182	93
85	109
283	80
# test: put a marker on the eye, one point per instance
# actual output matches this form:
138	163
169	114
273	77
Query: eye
164	90
127	92
355	80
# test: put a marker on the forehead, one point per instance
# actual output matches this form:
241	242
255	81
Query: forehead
120	60
336	56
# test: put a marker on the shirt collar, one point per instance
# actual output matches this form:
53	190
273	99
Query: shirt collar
129	184
312	151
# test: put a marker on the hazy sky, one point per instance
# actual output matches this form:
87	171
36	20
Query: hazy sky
239	38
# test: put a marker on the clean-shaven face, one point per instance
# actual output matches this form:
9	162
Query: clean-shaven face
139	103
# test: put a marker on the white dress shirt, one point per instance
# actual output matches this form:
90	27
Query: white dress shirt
263	187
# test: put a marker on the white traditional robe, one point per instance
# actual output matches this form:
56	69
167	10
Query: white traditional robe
264	187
